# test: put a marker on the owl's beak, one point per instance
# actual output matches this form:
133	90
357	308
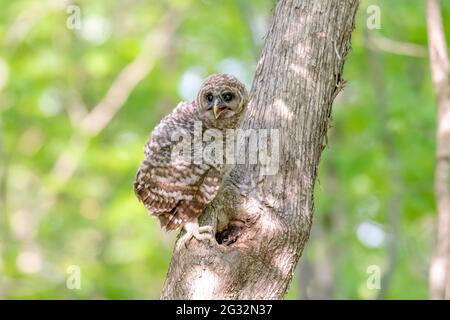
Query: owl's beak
217	111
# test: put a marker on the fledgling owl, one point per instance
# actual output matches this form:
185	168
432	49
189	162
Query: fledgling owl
173	189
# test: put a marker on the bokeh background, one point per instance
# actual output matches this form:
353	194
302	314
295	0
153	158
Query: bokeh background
77	102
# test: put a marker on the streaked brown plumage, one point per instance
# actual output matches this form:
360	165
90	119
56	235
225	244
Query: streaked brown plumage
172	187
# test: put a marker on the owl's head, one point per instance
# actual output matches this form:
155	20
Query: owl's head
222	97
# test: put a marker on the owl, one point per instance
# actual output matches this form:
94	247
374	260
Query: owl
173	186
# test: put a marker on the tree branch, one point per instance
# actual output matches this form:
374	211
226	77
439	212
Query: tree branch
296	80
396	47
27	19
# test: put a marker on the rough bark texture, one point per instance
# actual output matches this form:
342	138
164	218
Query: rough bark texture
297	78
440	74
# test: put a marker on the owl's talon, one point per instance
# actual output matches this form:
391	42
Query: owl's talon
205	229
194	231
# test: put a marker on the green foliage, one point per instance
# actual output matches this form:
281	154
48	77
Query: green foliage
51	75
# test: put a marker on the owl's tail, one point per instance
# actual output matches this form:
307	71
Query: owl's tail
168	222
184	212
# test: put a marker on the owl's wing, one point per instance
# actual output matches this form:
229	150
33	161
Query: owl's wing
175	195
186	210
164	190
211	185
167	183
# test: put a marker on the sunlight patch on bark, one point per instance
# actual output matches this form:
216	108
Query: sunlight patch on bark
437	272
283	109
204	285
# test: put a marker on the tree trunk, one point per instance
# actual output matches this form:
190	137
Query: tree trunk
440	74
269	216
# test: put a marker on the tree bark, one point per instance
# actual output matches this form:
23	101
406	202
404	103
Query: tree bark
440	74
269	216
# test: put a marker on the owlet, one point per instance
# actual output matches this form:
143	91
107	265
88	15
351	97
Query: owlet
171	184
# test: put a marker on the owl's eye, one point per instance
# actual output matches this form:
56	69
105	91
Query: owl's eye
227	97
209	97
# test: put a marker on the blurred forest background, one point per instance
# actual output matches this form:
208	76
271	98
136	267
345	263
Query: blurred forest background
77	104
